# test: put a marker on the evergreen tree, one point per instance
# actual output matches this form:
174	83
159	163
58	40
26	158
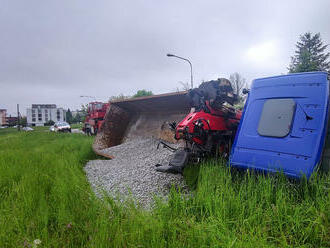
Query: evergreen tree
68	116
310	55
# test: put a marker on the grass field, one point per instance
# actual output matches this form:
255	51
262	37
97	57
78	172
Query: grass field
45	195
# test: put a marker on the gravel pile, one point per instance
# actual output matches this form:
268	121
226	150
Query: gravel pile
133	171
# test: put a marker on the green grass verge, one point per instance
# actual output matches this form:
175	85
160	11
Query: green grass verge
77	125
44	195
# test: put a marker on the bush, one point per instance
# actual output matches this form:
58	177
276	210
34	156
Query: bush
141	93
49	123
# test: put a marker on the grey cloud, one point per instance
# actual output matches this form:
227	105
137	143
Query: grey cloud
57	50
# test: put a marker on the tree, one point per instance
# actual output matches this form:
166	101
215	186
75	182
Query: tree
84	109
68	116
143	92
23	121
83	112
119	97
49	123
310	55
238	83
76	118
80	114
185	86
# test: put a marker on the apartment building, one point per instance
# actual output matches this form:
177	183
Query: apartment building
39	114
3	113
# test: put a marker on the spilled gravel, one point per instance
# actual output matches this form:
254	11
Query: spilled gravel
132	171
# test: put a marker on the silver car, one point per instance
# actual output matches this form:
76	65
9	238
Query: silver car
62	127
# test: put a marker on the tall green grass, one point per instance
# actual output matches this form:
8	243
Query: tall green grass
44	195
43	189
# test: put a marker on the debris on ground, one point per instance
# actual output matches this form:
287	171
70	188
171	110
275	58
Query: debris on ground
132	171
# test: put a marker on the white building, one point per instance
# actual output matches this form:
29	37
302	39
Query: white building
3	113
39	114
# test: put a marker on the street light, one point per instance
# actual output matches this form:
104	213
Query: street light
191	71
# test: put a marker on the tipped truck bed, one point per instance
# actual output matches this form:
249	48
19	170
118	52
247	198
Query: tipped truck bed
141	117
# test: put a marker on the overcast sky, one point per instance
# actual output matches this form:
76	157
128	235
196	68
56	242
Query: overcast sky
56	51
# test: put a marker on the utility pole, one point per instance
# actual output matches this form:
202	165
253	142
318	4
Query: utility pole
18	119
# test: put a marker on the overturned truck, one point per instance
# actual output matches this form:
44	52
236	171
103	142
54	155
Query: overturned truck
202	120
283	126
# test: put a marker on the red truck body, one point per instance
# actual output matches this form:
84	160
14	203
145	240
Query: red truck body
95	117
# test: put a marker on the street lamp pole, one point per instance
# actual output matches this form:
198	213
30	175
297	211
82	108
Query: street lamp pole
191	70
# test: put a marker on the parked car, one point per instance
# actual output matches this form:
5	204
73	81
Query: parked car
62	127
27	129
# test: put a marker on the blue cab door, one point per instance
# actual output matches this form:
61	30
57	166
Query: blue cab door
283	124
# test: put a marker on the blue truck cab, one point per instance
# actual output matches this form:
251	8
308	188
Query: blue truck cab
284	124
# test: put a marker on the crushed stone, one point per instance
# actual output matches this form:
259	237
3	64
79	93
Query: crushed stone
132	171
